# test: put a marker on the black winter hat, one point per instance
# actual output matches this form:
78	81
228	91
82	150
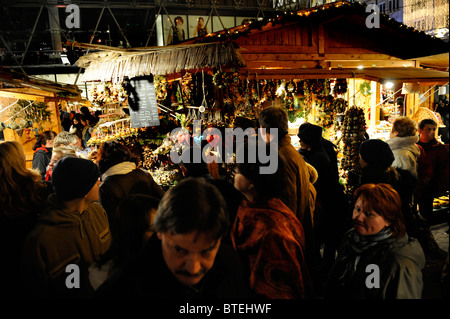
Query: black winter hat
310	134
377	153
74	177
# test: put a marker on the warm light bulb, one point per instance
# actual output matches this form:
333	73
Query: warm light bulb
389	85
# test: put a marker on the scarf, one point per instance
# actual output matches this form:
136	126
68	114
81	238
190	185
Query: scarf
357	245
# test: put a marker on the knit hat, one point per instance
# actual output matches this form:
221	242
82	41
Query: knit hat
74	177
376	153
310	134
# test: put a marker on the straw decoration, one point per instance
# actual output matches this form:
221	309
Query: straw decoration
115	66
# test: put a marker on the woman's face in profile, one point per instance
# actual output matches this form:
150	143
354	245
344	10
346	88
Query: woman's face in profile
365	220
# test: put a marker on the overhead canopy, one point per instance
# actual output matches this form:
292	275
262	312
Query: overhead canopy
116	64
25	87
406	74
436	61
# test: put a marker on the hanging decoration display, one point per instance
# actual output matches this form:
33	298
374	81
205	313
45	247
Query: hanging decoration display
215	97
340	106
161	87
186	87
104	93
111	130
24	114
353	134
340	87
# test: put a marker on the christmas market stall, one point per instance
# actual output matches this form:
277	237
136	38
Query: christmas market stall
306	61
348	82
30	106
146	93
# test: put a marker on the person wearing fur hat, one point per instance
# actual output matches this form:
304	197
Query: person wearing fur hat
402	141
73	230
407	155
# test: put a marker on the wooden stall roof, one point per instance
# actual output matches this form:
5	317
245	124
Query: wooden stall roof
18	85
334	38
406	75
436	61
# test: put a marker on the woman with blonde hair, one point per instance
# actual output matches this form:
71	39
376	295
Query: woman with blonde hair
58	153
22	195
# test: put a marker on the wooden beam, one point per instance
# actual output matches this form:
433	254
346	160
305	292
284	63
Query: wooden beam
424	81
321	36
303	74
243	49
281	64
290	56
29	91
23	96
371	64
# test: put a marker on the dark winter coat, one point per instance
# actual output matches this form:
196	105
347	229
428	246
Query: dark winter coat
332	207
41	159
12	236
400	263
433	168
146	276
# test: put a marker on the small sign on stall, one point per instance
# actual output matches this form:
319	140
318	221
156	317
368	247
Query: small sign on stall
142	102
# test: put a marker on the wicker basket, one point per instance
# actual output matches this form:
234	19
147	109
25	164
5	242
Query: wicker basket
424	113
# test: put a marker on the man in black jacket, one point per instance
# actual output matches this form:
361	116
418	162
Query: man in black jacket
186	258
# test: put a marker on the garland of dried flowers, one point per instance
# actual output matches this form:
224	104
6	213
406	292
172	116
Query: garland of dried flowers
353	134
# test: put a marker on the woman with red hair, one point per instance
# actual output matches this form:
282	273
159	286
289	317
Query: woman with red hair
377	259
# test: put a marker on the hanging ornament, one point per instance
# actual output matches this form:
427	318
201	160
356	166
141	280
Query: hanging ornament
340	86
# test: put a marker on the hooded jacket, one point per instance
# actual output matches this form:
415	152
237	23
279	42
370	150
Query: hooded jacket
406	153
400	262
59	239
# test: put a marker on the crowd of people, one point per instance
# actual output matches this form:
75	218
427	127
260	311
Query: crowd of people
84	226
